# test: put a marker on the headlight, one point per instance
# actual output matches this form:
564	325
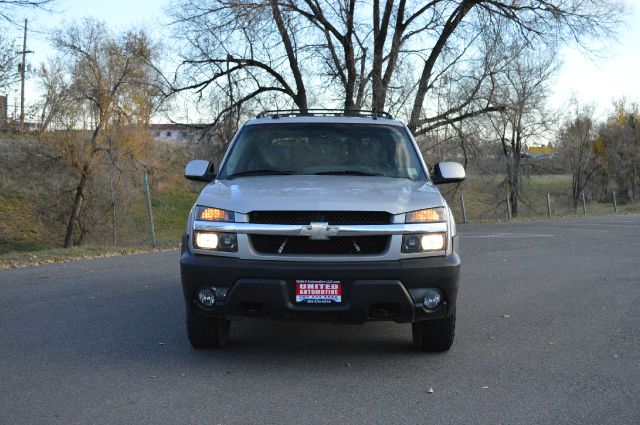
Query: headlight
430	242
431	215
206	240
214	214
213	241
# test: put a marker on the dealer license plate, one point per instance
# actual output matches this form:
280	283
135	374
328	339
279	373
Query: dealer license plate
318	291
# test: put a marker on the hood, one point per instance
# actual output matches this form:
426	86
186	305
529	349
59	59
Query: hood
324	193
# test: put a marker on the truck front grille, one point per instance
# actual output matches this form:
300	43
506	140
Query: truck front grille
288	245
331	217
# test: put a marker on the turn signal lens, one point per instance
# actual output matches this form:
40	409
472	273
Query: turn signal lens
431	215
213	214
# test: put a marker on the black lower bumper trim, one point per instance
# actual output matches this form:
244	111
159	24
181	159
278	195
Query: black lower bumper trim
262	297
384	290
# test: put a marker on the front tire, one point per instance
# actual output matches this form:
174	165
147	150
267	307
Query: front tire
434	335
206	332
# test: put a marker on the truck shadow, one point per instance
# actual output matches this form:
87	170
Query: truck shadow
319	337
148	333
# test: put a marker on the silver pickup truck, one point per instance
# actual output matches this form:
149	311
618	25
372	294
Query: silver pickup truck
321	215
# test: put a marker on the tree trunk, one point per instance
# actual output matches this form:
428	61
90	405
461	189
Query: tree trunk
362	84
82	184
425	79
575	192
77	206
515	185
379	36
380	82
301	92
350	59
350	87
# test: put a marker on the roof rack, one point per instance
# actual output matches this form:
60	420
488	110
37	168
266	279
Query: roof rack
275	114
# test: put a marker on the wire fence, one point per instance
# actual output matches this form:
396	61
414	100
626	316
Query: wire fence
469	208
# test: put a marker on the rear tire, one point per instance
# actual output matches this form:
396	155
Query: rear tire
206	332
434	335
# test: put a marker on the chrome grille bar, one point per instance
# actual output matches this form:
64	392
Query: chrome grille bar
331	230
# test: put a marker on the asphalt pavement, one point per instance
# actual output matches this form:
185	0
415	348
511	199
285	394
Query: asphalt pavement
548	332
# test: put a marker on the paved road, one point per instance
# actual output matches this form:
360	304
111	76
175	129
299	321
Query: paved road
548	333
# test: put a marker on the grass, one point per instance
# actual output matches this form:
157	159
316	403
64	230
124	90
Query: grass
19	246
14	257
24	239
18	221
170	212
482	203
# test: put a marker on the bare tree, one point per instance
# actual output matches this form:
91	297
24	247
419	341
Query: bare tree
56	101
8	63
112	84
576	142
618	146
526	22
306	50
522	88
252	45
9	7
340	44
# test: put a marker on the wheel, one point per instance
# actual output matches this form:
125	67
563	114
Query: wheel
207	332
434	335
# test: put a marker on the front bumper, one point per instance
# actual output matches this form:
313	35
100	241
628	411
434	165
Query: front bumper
267	288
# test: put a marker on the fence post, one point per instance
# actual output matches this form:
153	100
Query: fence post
152	231
549	204
508	207
584	205
464	211
615	203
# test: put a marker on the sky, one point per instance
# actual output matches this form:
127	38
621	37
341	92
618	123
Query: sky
611	74
119	15
614	73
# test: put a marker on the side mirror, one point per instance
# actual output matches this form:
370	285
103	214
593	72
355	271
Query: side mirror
448	172
199	170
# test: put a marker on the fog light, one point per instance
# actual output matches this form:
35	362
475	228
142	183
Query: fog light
433	242
207	296
206	240
432	299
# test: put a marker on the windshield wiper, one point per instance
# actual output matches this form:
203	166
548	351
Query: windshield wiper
347	173
260	172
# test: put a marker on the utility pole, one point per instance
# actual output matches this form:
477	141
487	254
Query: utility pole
23	67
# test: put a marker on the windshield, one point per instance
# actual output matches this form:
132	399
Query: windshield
323	148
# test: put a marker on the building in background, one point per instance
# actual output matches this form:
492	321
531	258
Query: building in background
179	133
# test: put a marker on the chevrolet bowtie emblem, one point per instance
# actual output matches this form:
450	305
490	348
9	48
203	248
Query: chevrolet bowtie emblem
319	231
